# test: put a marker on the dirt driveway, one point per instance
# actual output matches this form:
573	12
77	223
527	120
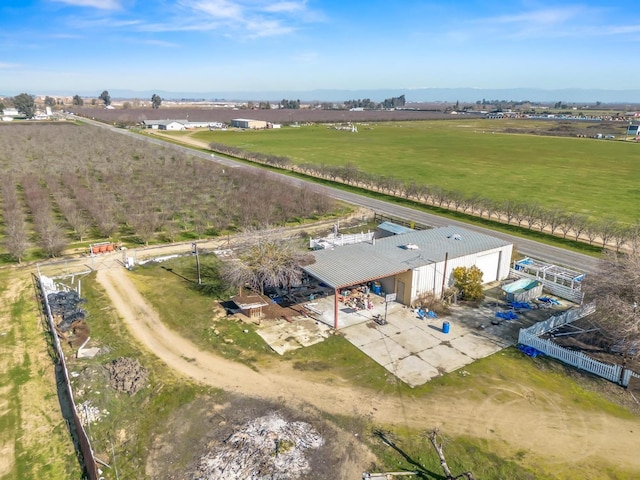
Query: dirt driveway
528	421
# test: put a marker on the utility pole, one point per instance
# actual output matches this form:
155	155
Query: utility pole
444	274
194	250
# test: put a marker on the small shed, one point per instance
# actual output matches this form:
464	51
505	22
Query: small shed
251	305
387	229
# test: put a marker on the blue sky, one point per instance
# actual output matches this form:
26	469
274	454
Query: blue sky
296	45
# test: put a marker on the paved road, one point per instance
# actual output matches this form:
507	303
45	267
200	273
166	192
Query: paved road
555	255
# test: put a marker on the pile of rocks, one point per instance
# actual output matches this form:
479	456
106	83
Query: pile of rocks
267	447
127	375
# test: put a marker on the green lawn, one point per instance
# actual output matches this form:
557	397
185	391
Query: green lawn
594	177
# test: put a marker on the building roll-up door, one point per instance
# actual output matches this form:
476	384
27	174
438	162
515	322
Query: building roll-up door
489	265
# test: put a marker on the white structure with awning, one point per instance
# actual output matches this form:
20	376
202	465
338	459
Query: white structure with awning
413	263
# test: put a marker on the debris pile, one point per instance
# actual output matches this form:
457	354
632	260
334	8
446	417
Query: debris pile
267	447
88	413
127	375
65	310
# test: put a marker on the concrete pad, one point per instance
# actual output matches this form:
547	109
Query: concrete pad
413	371
283	337
436	331
385	351
476	346
362	334
445	358
415	340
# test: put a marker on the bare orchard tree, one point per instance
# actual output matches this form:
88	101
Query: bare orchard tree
616	290
269	262
16	239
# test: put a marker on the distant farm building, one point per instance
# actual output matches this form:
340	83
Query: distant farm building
248	124
166	124
8	114
633	130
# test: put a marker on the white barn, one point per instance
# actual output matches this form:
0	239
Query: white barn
413	263
166	124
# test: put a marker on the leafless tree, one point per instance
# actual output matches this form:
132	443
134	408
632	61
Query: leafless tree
621	235
510	209
532	214
520	213
580	223
607	230
591	230
616	290
270	262
554	219
16	240
566	223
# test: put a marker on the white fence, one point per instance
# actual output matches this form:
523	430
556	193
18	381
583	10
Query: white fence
530	337
337	240
46	286
556	321
576	359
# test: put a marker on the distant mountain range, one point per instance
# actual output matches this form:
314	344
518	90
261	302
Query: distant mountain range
416	95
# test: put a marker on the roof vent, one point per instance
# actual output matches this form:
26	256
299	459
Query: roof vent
455	236
411	246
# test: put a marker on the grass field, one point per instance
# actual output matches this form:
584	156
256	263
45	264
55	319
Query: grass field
34	441
598	178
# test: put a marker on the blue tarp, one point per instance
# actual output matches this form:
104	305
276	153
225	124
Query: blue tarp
426	313
520	305
549	300
508	315
530	351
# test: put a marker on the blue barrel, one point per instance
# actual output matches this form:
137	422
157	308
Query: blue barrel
445	327
377	288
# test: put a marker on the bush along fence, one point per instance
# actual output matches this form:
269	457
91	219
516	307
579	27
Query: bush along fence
531	338
45	286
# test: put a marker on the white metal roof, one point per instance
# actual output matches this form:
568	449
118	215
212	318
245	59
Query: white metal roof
362	262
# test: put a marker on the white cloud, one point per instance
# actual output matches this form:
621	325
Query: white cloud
543	17
7	66
285	7
158	43
99	4
266	28
257	18
217	8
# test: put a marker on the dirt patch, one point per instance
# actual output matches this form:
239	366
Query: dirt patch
209	439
